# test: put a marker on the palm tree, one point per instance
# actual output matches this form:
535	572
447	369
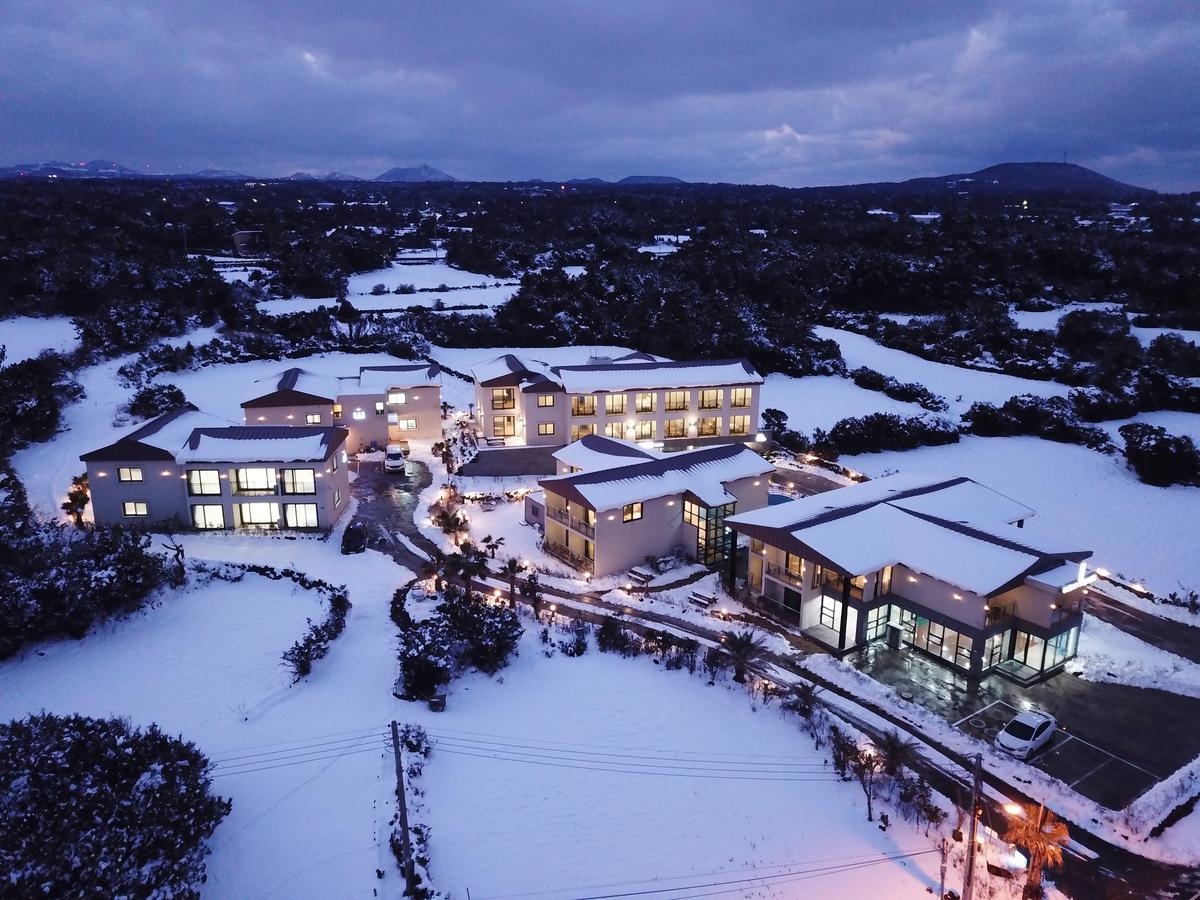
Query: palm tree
898	752
450	521
744	647
1042	836
471	563
511	569
491	544
446	407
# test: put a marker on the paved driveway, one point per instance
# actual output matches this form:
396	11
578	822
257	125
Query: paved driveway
1114	742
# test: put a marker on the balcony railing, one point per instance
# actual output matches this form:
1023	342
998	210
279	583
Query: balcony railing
998	612
1061	611
563	552
561	515
779	573
239	491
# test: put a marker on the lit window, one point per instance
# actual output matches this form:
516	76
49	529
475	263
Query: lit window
396	397
614	404
254	480
739	424
676	428
583	405
614	430
504	398
258	514
644	430
337	496
710	398
204	482
299	481
545	428
645	402
358	415
692	514
631	512
581	431
379	408
504	426
300	515
129	473
545	400
334	461
677	400
134	508
208	515
739	397
709	427
313	419
337	410
406	424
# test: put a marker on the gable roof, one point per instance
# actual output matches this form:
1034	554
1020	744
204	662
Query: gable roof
701	473
299	387
633	371
158	439
594	452
893	525
262	443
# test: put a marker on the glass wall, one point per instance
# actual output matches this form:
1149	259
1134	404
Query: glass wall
936	640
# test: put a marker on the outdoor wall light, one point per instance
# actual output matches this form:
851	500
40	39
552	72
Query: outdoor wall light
672	502
912	578
957	596
1054	606
102	474
610	518
757	483
290	416
262	418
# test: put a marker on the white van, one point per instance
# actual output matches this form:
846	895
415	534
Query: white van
394	456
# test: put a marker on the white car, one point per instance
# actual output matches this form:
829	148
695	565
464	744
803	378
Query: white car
1026	733
394	456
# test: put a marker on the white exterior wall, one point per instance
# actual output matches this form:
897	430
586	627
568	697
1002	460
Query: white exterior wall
161	489
622	545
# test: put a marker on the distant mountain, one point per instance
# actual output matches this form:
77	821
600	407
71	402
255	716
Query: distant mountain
415	173
1008	179
328	176
216	175
588	181
97	168
651	179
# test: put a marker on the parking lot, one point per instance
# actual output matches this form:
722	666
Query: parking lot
1085	767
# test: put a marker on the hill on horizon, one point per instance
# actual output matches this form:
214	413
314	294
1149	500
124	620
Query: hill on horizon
1007	178
422	172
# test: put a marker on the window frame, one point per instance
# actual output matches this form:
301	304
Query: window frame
207	526
632	512
671	426
705	430
130	477
312	419
670	404
717	393
612	408
199	482
583	405
645	401
507	398
740	397
409	424
499	423
545	429
545	401
743	420
287	482
136	514
310	511
392	395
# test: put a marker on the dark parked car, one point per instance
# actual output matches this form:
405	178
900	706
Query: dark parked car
354	538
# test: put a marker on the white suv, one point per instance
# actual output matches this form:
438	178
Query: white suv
394	456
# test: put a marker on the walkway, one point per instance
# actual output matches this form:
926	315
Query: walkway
1175	637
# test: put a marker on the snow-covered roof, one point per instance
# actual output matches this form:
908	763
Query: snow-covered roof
260	443
296	381
594	452
518	368
1064	578
703	473
160	438
955	530
286	387
631	376
378	379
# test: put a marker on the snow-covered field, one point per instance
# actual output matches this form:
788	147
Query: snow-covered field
961	387
819	401
1084	500
490	296
1183	423
419	275
1106	653
24	337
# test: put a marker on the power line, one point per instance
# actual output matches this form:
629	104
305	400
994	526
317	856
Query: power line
455	733
309	737
376	747
221	761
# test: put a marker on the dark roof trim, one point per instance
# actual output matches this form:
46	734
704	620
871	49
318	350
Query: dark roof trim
287	398
332	437
131	448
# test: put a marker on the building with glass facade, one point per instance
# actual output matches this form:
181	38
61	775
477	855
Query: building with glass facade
933	565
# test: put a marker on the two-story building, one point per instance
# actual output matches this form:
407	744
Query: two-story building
637	397
380	405
934	564
188	469
617	504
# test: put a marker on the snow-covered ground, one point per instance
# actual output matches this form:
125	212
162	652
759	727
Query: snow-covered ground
1048	320
1183	423
419	275
961	387
205	664
1106	653
1084	500
490	296
610	796
819	401
24	337
1146	335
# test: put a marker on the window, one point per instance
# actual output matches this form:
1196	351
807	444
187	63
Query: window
883	581
134	508
300	515
337	410
504	426
739	398
645	402
614	430
579	431
254	481
831	613
692	513
877	620
677	400
204	483
545	400
358	415
396	398
545	428
794	565
676	428
379	408
258	515
710	398
644	430
739	424
589	551
614	404
299	481
208	515
337	497
504	398
710	426
631	512
583	405
406	424
129	473
312	419
334	460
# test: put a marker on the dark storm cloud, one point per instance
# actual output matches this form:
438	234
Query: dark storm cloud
791	93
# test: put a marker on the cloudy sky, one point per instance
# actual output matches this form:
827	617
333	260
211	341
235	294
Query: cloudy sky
801	92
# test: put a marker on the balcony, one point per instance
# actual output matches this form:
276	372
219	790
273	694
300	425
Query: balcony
779	573
239	491
561	515
998	612
564	553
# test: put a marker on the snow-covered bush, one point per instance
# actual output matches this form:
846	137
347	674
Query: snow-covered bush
155	400
315	643
1158	457
878	432
96	808
426	661
910	392
1051	418
483	635
56	581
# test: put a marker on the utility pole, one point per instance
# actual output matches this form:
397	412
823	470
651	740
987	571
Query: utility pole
405	845
941	894
969	873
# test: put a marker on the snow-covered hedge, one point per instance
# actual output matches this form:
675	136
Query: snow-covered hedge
96	808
